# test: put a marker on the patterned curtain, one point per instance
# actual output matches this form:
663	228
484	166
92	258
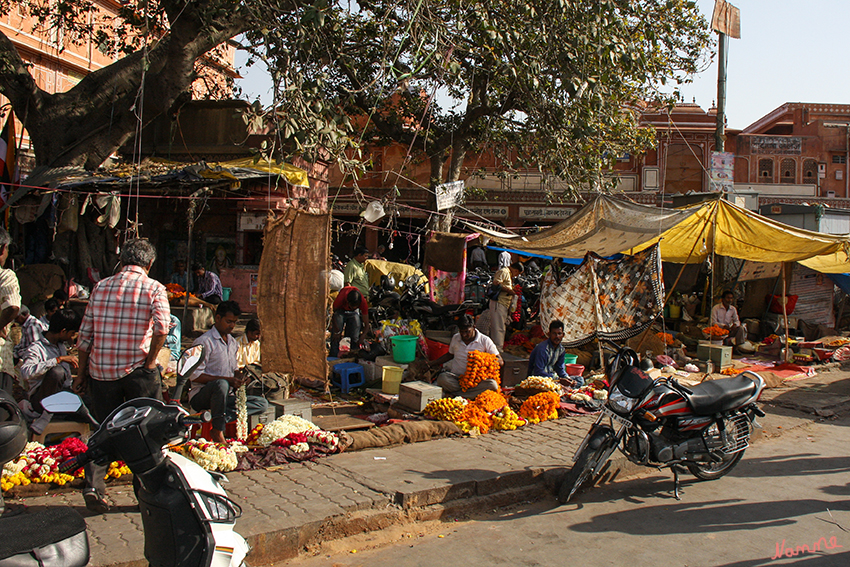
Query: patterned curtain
609	299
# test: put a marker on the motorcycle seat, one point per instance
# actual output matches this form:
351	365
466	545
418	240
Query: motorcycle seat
716	396
50	537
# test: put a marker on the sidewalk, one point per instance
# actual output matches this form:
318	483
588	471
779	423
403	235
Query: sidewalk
298	505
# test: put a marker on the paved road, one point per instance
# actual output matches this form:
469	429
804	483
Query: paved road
787	492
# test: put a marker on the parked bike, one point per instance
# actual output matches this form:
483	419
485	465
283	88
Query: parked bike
661	423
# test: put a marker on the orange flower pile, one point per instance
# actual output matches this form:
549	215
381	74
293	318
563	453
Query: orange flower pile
666	337
715	331
731	371
540	407
475	417
490	401
479	366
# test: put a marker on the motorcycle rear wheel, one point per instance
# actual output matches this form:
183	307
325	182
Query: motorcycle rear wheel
713	471
580	472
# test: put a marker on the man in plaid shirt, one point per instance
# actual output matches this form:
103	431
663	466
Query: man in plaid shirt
122	332
10	303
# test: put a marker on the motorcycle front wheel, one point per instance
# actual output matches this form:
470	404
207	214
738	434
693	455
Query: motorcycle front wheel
581	471
739	428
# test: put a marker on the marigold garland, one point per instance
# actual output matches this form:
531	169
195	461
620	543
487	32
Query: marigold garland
666	337
445	409
507	420
480	366
241	413
490	401
473	417
540	407
715	331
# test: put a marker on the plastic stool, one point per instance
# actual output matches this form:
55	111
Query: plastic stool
67	428
345	371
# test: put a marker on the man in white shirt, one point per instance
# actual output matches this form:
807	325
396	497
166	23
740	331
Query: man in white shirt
504	259
217	374
725	315
467	339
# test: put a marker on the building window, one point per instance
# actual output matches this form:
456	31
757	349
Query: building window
765	171
810	171
788	171
839	158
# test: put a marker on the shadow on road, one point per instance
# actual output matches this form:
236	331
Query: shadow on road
791	465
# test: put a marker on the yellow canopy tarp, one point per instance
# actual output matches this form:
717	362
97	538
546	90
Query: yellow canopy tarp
378	268
735	232
294	176
837	263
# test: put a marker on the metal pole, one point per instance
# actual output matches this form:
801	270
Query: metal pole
720	131
847	163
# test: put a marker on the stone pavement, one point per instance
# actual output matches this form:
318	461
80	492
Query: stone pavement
296	506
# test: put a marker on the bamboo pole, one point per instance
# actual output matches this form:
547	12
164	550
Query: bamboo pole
784	309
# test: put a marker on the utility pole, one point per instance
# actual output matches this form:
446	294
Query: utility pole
726	21
720	131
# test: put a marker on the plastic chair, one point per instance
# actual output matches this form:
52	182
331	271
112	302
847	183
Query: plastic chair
345	372
66	428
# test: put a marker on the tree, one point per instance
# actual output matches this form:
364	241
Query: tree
160	43
558	82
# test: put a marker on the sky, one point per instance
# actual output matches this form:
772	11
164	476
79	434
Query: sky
789	51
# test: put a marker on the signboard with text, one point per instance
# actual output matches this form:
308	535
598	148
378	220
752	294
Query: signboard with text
449	195
722	171
544	213
488	212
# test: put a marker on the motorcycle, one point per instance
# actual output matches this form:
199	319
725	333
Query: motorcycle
661	423
186	515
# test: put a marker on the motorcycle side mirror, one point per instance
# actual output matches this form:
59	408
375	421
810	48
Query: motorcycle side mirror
62	402
190	360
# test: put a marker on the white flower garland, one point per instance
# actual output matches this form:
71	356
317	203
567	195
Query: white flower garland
241	413
212	456
283	426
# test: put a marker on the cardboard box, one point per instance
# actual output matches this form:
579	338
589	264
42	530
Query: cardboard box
416	395
720	355
266	417
514	371
301	408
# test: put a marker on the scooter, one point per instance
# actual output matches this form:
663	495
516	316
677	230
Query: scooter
186	515
703	429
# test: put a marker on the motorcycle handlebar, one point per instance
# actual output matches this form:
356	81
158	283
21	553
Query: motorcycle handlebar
74	463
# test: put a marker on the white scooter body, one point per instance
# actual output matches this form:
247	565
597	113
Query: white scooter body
230	547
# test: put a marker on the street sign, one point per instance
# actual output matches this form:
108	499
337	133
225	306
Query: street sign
722	171
449	195
726	19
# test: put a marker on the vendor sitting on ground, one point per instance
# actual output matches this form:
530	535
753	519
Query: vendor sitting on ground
547	358
32	330
350	318
249	344
467	339
209	286
725	315
217	374
46	365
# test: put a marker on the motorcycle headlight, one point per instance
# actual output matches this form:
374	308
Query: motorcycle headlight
218	508
620	402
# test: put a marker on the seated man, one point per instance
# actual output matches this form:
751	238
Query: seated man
46	365
725	315
208	285
350	317
217	374
248	351
32	330
180	276
467	339
547	358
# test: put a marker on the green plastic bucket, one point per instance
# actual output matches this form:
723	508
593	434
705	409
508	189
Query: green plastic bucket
570	358
225	293
404	348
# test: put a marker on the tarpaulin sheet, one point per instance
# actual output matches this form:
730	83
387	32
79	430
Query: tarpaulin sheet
738	233
605	226
609	299
377	268
837	263
292	294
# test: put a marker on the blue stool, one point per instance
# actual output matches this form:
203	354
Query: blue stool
345	372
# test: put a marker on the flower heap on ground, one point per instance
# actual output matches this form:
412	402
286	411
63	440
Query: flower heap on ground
211	456
480	366
587	393
40	464
540	383
293	432
540	407
666	337
715	331
487	411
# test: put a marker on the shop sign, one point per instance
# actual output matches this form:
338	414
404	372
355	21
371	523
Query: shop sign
449	195
776	145
251	222
348	209
487	212
544	213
